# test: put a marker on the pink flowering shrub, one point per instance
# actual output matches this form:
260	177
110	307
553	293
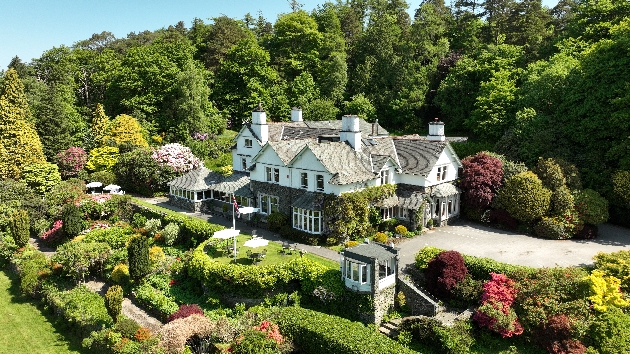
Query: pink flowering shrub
94	207
54	234
71	161
177	156
496	312
272	331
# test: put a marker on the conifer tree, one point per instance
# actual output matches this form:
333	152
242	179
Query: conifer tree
19	138
100	126
125	130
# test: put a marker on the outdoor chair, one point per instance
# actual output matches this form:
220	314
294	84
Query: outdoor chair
264	253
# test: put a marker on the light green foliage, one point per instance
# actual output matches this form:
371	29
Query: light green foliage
525	197
113	301
321	109
124	130
153	226
592	207
156	299
120	274
116	237
80	258
100	126
621	185
611	332
361	106
170	233
562	201
17	134
82	308
605	291
616	264
510	168
550	173
20	227
102	159
41	176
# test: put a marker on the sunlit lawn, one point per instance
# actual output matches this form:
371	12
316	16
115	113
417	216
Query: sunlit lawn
23	327
274	253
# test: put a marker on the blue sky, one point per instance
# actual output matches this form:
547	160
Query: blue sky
30	27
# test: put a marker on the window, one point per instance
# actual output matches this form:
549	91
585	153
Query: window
441	173
248	143
319	180
276	175
199	195
356	272
385	268
268	175
304	180
450	207
307	220
384	177
401	213
243	163
364	276
272	174
437	207
268	203
242	201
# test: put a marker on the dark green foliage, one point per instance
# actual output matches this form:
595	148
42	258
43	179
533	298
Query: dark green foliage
193	230
610	332
317	333
562	201
138	220
452	340
72	219
290	233
105	177
276	220
525	197
126	326
467	293
32	265
137	171
113	301
138	251
550	173
82	258
20	227
593	208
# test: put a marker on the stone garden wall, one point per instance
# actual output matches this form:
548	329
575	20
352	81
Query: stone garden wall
418	301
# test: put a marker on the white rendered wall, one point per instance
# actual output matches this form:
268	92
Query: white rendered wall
242	151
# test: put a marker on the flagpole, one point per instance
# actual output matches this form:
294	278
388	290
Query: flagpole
234	224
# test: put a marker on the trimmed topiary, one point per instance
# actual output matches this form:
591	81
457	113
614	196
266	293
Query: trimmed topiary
138	252
525	197
120	274
185	311
20	227
113	301
380	237
72	220
444	272
401	230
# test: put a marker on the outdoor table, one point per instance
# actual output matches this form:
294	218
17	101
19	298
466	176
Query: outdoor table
256	257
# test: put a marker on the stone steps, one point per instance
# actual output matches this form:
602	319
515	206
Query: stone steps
390	328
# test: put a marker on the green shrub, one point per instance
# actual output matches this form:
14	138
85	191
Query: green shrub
453	340
105	177
120	274
610	332
621	186
562	201
72	219
525	197
138	253
380	237
113	301
400	230
193	230
126	326
102	159
116	237
152	226
290	233
20	227
553	228
32	265
170	233
156	300
138	220
78	259
550	173
81	308
592	207
615	264
467	293
317	333
41	176
276	220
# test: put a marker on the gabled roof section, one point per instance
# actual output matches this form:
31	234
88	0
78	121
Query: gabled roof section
346	165
193	180
286	150
416	156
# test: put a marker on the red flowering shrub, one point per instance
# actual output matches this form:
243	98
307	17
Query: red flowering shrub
142	334
495	311
556	338
54	234
481	178
444	272
504	218
71	161
185	311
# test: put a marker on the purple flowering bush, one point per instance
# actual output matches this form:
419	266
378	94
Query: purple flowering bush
177	156
71	161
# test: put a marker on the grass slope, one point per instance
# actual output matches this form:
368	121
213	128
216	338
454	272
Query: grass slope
24	329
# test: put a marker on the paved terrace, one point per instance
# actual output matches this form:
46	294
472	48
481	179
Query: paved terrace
471	239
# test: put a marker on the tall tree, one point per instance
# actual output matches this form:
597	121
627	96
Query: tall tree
18	136
53	125
99	127
222	35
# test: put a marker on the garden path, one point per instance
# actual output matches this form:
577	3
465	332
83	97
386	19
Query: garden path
244	228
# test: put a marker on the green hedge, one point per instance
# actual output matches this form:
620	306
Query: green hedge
155	300
316	332
255	281
478	267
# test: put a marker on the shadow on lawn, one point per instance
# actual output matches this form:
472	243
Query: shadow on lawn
61	327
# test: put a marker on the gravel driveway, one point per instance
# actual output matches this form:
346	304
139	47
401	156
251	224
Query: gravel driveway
478	240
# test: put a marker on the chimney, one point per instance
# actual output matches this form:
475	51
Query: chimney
350	131
259	124
436	131
376	123
296	114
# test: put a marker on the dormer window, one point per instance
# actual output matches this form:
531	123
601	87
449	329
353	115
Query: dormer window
441	173
248	143
384	177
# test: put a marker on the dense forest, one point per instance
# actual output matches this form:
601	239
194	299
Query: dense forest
517	78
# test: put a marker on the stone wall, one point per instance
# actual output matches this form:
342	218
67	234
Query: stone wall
286	195
419	302
383	303
184	204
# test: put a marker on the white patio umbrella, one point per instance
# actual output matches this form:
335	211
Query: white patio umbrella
226	234
93	185
256	242
111	187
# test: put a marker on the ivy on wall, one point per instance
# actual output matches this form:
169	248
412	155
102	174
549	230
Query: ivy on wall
347	216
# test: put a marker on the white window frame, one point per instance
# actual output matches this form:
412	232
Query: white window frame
356	272
276	175
307	220
268	203
304	180
248	143
243	201
384	175
318	179
268	175
441	173
244	163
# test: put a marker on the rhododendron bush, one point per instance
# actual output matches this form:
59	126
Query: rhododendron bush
71	161
179	157
496	311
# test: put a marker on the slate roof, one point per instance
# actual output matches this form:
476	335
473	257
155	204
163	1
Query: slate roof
378	161
286	150
444	190
203	179
312	129
416	156
307	201
346	165
371	250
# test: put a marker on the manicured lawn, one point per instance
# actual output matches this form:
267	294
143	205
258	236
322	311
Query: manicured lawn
23	327
274	254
